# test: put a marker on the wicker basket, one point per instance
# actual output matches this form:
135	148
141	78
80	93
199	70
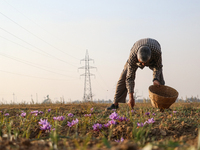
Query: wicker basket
162	97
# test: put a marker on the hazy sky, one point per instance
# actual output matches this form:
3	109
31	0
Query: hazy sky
43	41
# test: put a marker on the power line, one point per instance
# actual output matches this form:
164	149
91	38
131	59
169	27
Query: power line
38	48
31	76
38	24
30	50
33	65
23	46
35	35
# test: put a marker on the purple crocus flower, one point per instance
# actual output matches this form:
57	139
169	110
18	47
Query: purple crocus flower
49	110
153	114
174	112
114	116
7	114
87	115
45	125
132	111
34	112
140	124
112	122
97	126
149	121
70	115
91	109
59	118
107	125
121	140
70	124
23	114
41	112
42	121
122	119
147	113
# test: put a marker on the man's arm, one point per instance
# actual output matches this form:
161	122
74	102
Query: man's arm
131	101
130	82
130	77
157	70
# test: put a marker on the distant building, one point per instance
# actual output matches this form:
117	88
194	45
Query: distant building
47	101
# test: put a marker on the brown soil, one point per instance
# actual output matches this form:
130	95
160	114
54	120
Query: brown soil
182	131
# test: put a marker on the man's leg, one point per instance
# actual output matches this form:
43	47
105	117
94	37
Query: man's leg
121	91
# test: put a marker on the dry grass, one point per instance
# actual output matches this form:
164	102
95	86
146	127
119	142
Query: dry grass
176	128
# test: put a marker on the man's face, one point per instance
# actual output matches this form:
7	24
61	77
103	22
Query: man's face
143	63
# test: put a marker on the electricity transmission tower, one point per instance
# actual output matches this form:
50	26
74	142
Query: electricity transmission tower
87	85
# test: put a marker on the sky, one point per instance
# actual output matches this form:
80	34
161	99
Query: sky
43	42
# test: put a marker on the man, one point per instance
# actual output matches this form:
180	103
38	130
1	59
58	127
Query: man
145	52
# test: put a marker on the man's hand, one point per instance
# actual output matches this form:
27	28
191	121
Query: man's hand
156	82
131	102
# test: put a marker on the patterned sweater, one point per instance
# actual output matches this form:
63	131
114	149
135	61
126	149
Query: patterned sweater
155	62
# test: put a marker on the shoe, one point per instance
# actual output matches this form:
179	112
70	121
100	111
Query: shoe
112	107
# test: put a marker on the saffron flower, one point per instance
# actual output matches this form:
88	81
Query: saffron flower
91	109
133	111
97	127
23	114
140	124
153	114
174	112
59	118
49	110
45	125
122	119
40	112
70	124
70	115
7	114
112	122
147	113
107	125
149	121
34	112
121	140
114	116
42	121
87	115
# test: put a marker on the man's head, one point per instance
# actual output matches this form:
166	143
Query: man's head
144	54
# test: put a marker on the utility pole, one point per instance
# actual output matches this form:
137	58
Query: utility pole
87	85
13	97
36	98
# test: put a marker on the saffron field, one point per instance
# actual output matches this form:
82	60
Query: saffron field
88	126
